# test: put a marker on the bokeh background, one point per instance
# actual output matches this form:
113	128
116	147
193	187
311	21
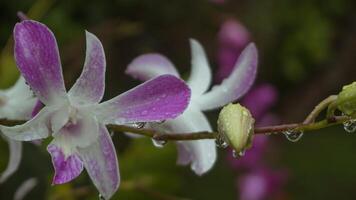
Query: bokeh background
307	52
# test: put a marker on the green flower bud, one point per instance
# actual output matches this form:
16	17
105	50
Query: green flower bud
235	126
346	100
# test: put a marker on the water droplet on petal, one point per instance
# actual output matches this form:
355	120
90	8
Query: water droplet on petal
350	126
236	154
220	142
293	135
101	197
159	143
139	125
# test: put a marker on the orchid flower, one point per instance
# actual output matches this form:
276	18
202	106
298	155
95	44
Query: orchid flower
16	103
75	119
201	154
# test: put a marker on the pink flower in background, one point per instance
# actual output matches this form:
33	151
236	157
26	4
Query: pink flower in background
261	184
232	39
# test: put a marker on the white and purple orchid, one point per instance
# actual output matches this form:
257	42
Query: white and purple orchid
16	103
201	154
76	119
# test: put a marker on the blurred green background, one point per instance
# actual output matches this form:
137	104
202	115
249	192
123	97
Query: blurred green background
307	50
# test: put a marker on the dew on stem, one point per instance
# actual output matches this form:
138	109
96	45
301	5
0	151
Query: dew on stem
293	135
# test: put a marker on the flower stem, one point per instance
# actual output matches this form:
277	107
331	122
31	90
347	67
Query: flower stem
307	125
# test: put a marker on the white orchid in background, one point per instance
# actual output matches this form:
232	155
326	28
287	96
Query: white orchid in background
16	103
201	154
76	119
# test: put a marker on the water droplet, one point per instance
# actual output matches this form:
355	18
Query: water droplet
139	125
161	122
112	133
350	126
159	143
101	197
293	135
236	154
220	142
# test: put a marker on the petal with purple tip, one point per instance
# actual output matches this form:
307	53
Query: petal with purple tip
67	167
37	57
158	99
149	66
101	163
15	149
200	77
90	86
236	85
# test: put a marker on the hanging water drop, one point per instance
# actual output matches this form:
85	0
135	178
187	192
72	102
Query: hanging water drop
159	143
293	135
112	133
350	126
220	142
139	125
236	154
101	197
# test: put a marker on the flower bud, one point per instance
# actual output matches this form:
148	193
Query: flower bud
235	126
346	100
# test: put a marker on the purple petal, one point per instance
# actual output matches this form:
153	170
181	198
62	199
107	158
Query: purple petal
236	85
162	98
37	58
90	86
15	149
150	66
100	161
200	76
66	167
38	106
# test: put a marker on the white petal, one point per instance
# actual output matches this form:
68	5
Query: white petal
200	76
15	148
18	101
236	85
25	188
201	153
36	128
148	66
101	163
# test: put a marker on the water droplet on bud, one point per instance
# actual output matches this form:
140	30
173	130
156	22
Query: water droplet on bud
293	135
101	197
159	143
220	142
236	154
350	126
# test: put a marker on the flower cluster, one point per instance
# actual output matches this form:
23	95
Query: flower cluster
76	120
